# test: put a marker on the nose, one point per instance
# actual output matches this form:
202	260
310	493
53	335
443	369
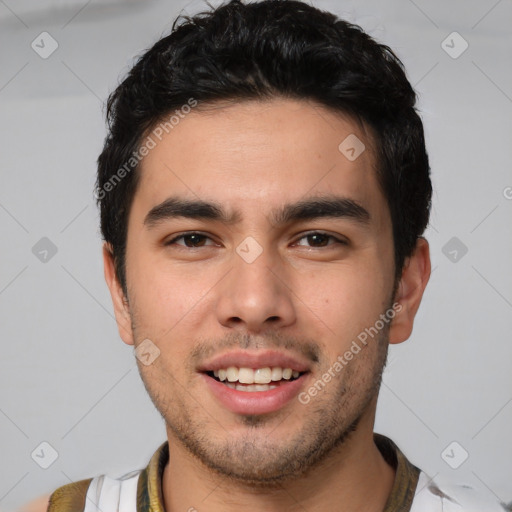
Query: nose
255	296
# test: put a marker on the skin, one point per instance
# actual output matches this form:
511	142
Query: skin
314	292
38	505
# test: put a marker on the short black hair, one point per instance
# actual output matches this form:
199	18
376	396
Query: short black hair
264	50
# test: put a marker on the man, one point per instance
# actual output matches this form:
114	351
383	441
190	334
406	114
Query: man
263	188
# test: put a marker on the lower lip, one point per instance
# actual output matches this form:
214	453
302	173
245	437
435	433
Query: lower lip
254	402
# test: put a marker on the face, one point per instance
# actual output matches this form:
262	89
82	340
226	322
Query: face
257	254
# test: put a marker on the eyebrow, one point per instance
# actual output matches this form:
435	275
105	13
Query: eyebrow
307	209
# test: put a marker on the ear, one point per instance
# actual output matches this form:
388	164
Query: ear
121	307
415	276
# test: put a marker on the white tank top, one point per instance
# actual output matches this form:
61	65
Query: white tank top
107	494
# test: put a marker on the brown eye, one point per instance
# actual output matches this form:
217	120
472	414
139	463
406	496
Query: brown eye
318	239
191	240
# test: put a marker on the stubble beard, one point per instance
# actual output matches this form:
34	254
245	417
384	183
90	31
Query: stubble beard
255	459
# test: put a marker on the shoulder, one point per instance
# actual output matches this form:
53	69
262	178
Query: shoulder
38	505
98	493
434	495
70	497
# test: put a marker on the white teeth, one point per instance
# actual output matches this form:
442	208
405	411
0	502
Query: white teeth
246	376
253	387
263	375
232	374
277	373
258	376
241	387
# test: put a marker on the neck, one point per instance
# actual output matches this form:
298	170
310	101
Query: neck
355	477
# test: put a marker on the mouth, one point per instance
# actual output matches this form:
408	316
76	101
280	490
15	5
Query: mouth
254	379
257	382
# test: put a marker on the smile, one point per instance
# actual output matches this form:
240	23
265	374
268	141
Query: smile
254	380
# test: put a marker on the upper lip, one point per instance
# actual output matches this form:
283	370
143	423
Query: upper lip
255	359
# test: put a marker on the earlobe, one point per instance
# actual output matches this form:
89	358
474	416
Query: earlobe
121	308
415	276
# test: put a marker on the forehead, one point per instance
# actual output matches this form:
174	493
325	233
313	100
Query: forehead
256	155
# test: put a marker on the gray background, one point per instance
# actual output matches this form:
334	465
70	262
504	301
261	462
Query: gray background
68	380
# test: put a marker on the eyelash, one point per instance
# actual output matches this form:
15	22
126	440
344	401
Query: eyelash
311	233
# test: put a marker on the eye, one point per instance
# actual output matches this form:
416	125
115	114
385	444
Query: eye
191	240
320	239
315	239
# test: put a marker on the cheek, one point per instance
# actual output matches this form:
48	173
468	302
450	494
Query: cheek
343	301
162	279
161	294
